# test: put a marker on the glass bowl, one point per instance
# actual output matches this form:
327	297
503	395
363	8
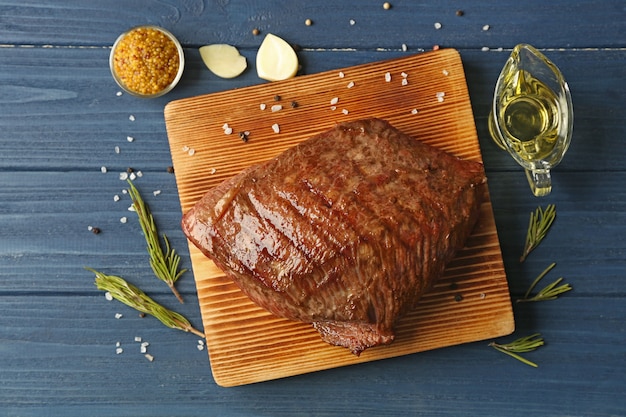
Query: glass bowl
147	61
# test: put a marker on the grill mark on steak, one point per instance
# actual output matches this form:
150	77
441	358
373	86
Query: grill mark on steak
344	231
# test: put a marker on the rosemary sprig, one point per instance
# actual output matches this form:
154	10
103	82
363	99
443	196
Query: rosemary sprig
521	345
137	299
538	226
164	263
550	292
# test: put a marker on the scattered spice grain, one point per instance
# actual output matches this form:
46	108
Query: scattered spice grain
308	22
386	5
256	31
170	169
460	12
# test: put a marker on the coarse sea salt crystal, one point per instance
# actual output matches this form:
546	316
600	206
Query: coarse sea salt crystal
405	81
404	47
137	338
123	176
123	219
344	111
130	138
388	77
200	347
341	74
117	149
131	118
103	169
156	192
119	351
149	357
108	296
351	84
132	176
485	48
228	131
334	101
352	22
276	107
185	148
116	198
486	27
437	25
262	106
276	128
333	108
139	174
143	349
414	111
191	152
118	315
212	171
119	93
445	72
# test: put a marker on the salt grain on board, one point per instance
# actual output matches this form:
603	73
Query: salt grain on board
351	84
262	106
344	111
341	74
414	111
276	107
334	101
276	128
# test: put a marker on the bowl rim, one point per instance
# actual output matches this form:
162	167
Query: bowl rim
170	86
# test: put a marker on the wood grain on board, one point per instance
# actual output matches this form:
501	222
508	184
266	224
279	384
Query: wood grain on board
424	95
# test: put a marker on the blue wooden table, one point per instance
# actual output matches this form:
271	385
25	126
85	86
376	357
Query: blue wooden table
61	121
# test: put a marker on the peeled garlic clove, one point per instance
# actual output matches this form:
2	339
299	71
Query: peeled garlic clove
223	60
276	60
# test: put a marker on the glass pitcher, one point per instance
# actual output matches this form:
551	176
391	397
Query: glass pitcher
532	115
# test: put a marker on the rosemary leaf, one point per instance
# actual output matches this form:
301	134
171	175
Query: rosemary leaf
164	263
521	345
549	292
538	226
137	299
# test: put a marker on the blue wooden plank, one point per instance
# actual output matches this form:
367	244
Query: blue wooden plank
553	24
80	119
64	359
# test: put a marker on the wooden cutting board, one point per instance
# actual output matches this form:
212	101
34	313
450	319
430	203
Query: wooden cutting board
426	96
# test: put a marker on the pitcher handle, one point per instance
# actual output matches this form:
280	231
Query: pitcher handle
540	181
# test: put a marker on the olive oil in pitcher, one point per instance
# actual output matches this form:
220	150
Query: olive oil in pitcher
531	115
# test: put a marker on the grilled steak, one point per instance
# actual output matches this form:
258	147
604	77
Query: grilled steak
345	230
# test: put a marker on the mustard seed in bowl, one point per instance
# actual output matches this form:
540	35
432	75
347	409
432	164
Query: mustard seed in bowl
147	61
